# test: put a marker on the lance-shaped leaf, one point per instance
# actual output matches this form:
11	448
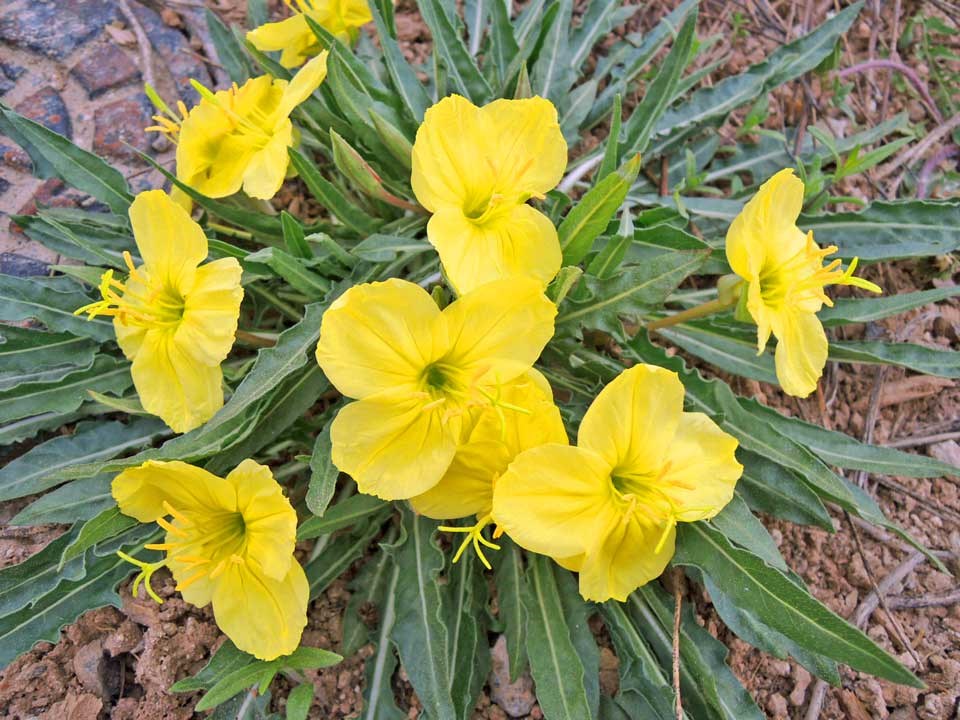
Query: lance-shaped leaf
930	361
107	524
331	198
554	662
79	500
52	301
888	230
591	215
465	606
336	555
449	46
708	687
24	582
379	702
345	513
553	73
771	488
369	588
33	471
780	603
36	356
863	310
510	610
740	526
404	78
53	154
419	630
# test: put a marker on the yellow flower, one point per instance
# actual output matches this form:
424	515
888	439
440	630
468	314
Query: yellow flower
525	417
229	543
417	372
174	318
239	137
474	169
608	508
785	276
293	36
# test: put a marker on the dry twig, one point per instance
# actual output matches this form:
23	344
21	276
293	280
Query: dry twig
143	42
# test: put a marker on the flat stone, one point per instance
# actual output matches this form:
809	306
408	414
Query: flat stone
104	68
53	27
516	699
119	124
15	158
22	266
47	108
4	186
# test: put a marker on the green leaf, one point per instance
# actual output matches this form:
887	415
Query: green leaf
337	555
503	43
419	630
465	607
107	374
33	471
404	78
299	701
707	685
836	448
225	661
378	698
661	91
736	523
449	46
344	514
368	588
782	605
611	152
510	609
888	230
28	427
596	22
40	573
36	356
927	360
639	288
54	154
552	74
295	270
76	501
577	612
52	301
770	488
323	474
42	620
645	691
719	346
863	310
554	662
229	51
786	63
294	236
387	248
591	215
331	198
109	523
575	107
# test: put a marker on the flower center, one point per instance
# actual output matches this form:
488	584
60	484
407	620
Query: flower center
138	302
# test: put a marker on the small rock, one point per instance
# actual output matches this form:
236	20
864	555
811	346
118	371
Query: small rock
948	452
118	129
90	666
76	707
124	639
47	108
777	706
780	667
852	705
609	672
104	68
903	713
801	682
516	699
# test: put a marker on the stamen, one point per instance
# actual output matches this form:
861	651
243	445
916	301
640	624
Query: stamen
170	527
474	536
146	572
671	523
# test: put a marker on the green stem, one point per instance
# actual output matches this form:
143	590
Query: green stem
697	311
230	232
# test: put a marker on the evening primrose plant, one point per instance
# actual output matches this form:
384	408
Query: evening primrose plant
458	370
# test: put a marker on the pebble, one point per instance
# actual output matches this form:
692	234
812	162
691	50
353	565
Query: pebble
517	699
777	706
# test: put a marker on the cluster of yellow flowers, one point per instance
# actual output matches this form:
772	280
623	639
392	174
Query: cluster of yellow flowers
448	410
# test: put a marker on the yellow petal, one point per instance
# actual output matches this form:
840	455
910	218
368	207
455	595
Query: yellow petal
531	153
174	385
801	352
467	486
379	336
624	558
269	519
702	469
141	491
499	330
515	242
293	36
210	312
391	446
449	156
307	79
553	499
633	420
170	242
765	230
267	168
262	616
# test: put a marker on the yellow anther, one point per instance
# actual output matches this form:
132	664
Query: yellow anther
146	572
474	536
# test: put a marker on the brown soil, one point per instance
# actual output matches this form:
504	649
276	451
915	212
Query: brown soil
120	663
